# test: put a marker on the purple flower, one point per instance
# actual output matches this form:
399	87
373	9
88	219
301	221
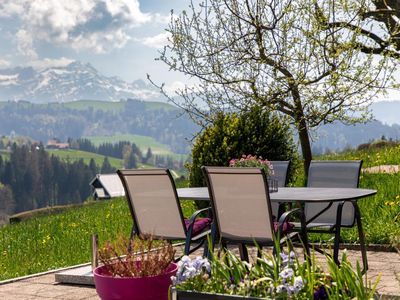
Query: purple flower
286	273
321	294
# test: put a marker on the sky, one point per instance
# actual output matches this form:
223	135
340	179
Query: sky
118	37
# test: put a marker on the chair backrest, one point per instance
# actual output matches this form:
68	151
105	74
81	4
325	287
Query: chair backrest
343	174
280	168
153	203
240	202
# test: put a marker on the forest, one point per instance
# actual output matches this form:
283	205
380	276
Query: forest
165	123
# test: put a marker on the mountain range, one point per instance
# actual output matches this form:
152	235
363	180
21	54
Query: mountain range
76	81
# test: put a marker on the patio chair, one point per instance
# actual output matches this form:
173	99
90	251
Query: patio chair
280	168
156	211
241	208
331	217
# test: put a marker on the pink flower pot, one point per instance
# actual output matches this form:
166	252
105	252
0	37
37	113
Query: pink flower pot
133	288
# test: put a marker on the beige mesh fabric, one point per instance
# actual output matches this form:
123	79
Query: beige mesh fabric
153	200
280	173
241	203
340	174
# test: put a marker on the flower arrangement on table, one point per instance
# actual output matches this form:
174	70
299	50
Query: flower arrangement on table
252	161
270	277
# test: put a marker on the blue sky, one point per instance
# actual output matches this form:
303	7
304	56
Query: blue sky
118	37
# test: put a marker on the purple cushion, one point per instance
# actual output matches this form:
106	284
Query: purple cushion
199	225
287	227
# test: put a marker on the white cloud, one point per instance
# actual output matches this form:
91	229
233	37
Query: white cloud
174	86
4	63
49	62
157	41
98	25
25	44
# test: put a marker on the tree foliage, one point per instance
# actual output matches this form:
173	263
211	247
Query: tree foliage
277	54
377	22
255	132
34	179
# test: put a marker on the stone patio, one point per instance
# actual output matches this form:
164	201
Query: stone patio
44	286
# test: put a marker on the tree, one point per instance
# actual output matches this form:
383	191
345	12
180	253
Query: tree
106	166
7	203
276	54
376	21
149	156
257	132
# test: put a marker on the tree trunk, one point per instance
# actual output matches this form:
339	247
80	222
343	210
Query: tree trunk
304	143
302	129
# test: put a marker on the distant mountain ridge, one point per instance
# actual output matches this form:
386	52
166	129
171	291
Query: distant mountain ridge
75	81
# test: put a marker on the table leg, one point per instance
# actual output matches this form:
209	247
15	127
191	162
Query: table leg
303	233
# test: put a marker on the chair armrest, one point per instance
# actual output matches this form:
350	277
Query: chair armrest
194	217
285	216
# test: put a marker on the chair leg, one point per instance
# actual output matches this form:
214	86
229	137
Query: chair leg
361	237
131	237
244	255
208	251
259	252
337	232
303	234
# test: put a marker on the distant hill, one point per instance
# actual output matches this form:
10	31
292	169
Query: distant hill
160	121
75	81
388	112
337	136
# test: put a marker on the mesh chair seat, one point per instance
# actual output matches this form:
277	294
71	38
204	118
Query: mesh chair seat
324	219
242	208
280	168
155	208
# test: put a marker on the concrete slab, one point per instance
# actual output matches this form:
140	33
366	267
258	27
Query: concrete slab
81	275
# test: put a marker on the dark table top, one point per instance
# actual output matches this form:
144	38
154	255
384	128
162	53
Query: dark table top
291	194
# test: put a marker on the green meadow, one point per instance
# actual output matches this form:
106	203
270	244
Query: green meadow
62	239
143	142
74	155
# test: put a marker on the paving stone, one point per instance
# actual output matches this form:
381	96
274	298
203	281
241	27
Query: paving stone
44	287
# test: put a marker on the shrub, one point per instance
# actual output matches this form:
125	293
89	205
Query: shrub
256	132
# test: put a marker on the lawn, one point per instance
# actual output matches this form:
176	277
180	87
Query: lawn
143	142
53	241
63	239
73	155
95	105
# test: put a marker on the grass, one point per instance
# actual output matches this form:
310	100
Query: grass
54	241
63	239
73	155
143	142
380	213
106	106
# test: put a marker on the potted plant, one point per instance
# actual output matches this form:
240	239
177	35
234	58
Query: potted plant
250	161
140	270
269	277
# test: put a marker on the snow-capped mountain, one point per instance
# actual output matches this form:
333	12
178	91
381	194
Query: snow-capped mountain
75	81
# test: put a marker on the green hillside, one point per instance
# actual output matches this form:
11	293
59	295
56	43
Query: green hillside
73	155
63	239
53	241
112	106
143	142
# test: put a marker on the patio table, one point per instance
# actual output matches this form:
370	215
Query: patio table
298	195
